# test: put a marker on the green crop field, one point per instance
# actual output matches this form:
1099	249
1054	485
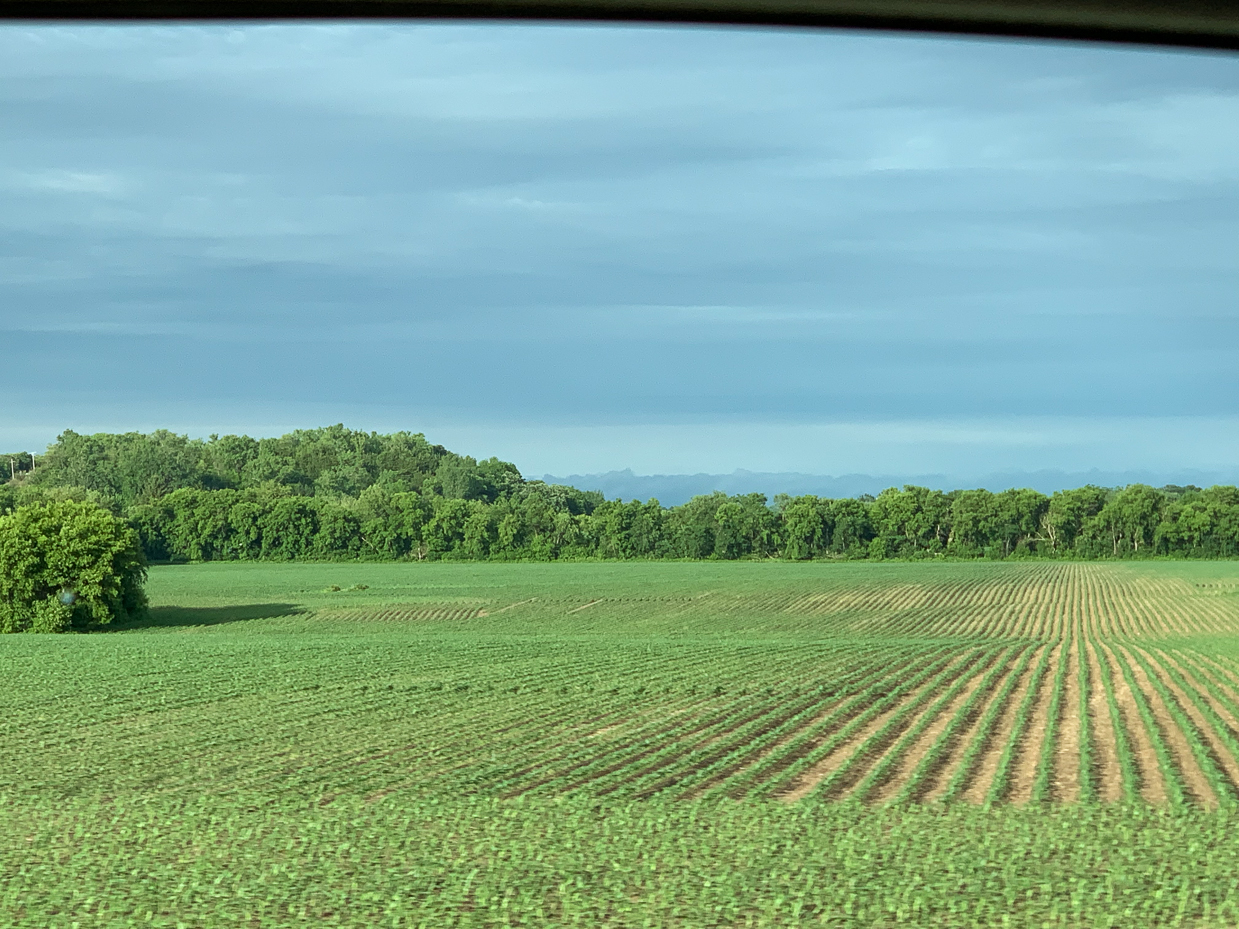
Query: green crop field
615	745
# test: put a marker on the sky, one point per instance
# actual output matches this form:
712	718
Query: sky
594	248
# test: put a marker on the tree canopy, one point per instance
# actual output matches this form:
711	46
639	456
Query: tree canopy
68	565
336	493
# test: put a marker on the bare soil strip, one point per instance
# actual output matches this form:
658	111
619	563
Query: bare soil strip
1055	611
1024	771
817	736
1095	598
1203	669
1221	755
1065	779
978	790
808	780
504	609
1092	614
631	760
916	751
1106	770
1152	780
751	761
1181	752
579	608
954	757
772	716
1224	675
545	770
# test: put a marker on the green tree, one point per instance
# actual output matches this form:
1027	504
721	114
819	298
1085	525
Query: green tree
745	525
1202	524
288	529
126	469
8	499
851	528
245	529
445	530
346	480
974	522
910	521
481	531
1067	513
339	531
630	530
806	526
1127	524
458	479
225	458
1019	515
692	528
68	565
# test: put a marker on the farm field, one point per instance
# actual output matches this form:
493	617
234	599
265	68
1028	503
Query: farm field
695	744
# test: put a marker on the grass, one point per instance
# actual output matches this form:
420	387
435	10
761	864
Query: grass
618	745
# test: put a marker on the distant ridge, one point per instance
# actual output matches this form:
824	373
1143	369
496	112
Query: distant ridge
674	489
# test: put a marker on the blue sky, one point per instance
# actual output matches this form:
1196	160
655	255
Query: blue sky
585	249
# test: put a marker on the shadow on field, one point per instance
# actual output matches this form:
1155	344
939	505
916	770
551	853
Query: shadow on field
163	617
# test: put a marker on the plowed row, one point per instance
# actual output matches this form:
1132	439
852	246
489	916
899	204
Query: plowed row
1020	601
1002	684
1066	720
1059	687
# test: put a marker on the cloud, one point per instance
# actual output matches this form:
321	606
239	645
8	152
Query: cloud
73	182
613	227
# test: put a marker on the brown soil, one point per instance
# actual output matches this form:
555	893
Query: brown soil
1181	752
921	745
1152	781
504	609
826	766
1105	749
1066	775
771	719
765	753
819	736
1225	677
939	783
978	790
544	771
1210	673
1221	755
700	744
1024	770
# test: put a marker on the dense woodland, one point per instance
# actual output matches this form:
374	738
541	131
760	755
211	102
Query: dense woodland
335	493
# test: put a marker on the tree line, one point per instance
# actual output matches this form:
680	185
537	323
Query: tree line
336	493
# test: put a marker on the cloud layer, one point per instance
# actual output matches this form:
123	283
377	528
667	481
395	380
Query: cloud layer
520	230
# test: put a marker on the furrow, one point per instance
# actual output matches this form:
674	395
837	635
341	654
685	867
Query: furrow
1029	753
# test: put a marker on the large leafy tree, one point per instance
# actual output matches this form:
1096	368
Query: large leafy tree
1067	514
974	522
851	528
1202	524
911	520
806	526
68	565
1019	515
1128	521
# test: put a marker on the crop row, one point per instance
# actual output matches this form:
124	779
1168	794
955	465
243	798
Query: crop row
1076	718
1039	601
1006	723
